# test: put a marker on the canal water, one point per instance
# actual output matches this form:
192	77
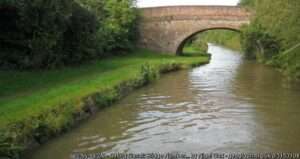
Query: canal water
229	105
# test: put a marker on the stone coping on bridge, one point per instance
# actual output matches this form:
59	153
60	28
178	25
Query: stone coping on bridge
203	6
193	12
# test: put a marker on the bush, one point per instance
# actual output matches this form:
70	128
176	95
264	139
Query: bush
38	34
289	61
258	44
149	73
39	27
117	20
79	43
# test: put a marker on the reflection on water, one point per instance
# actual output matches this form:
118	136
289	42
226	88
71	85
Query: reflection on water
229	105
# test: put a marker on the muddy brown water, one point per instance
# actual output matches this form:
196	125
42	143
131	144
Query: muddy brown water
229	105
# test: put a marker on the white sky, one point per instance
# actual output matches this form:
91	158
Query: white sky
153	3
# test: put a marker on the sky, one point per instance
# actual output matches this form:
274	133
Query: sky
153	3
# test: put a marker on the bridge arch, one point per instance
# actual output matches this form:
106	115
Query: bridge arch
164	29
181	44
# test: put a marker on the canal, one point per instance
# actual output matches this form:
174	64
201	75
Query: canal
229	105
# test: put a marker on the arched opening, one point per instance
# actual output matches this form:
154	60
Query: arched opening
213	35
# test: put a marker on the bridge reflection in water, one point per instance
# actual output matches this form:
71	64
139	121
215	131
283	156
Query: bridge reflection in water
229	105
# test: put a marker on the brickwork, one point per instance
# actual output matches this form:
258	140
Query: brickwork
165	29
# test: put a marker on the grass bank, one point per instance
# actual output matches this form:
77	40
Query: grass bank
194	51
229	39
288	62
36	106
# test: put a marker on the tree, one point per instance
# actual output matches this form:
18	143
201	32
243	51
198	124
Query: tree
37	34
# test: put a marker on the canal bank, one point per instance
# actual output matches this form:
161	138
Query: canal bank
229	105
37	106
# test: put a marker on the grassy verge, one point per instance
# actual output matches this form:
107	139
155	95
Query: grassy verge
35	106
288	62
194	51
233	43
225	38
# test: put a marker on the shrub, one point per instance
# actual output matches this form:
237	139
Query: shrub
38	27
38	34
79	43
258	44
148	73
117	21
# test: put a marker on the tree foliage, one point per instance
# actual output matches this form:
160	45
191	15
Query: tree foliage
258	44
279	19
49	33
247	3
274	29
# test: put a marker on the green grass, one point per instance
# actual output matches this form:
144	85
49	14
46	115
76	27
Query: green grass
225	38
193	51
38	105
289	62
27	94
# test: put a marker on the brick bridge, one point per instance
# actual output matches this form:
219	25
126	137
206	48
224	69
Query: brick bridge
166	29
